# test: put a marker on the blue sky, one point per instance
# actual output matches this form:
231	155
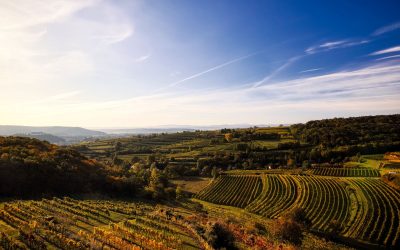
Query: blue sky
97	63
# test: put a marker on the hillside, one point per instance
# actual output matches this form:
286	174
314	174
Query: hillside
290	187
337	138
332	141
44	137
29	167
95	224
114	224
349	209
7	130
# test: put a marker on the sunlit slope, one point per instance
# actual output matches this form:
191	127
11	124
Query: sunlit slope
90	224
366	209
238	191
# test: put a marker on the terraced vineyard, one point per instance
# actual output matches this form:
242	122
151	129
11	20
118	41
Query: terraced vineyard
243	189
366	209
347	172
279	190
72	224
186	149
379	215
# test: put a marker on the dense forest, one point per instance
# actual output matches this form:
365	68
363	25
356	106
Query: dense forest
323	141
349	131
338	138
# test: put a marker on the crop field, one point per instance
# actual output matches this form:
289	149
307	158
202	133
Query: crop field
347	172
89	224
242	190
263	171
366	209
188	145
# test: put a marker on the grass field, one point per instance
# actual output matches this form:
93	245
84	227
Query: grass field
193	185
376	161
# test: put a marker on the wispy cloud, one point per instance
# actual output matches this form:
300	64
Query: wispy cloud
374	89
334	45
340	84
142	58
310	70
213	69
385	51
270	76
57	43
387	57
386	29
78	47
311	50
24	14
116	36
331	45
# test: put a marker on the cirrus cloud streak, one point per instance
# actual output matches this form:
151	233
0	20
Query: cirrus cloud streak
370	90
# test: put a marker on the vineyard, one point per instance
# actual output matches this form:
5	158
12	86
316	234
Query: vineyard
242	190
72	224
183	149
366	209
347	172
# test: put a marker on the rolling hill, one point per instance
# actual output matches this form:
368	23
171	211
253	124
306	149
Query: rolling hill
7	130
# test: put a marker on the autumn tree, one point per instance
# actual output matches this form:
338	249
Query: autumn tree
156	187
228	137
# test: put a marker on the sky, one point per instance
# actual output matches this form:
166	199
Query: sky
134	63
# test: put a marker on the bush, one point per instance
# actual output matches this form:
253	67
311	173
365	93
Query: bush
198	207
289	230
218	236
299	215
260	228
335	227
170	193
180	194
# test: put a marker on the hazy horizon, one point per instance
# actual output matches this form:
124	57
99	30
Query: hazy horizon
137	64
175	126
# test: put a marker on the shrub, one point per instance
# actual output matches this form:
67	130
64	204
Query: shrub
170	192
198	207
218	236
260	228
299	215
335	227
180	194
289	230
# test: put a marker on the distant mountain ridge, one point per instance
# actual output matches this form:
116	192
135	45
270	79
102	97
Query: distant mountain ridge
60	131
44	137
